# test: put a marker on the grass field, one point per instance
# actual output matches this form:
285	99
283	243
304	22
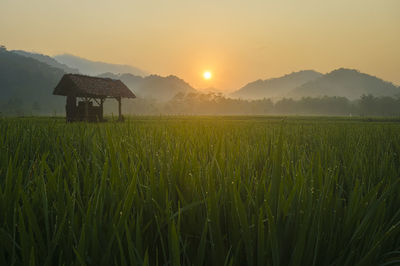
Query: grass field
200	191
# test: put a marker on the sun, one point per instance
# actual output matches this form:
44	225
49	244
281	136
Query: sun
207	75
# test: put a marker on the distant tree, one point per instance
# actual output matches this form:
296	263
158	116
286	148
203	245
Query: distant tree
36	106
286	106
14	106
367	105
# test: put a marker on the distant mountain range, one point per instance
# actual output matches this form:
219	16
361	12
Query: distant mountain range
27	81
93	68
47	60
342	82
276	87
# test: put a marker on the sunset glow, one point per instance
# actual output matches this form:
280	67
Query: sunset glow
207	75
244	42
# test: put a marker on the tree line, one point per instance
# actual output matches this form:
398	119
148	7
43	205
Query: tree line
217	104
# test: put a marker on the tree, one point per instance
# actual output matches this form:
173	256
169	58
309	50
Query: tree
36	106
15	106
367	105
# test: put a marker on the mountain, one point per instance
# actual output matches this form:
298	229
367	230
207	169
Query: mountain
153	86
94	68
344	82
48	60
275	87
26	85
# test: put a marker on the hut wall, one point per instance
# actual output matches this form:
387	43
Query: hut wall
88	112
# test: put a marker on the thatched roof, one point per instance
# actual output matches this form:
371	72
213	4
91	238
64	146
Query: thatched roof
86	86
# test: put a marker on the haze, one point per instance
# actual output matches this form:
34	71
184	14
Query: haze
238	41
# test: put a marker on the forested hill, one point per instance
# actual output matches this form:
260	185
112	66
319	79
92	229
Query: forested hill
348	83
275	87
27	85
154	86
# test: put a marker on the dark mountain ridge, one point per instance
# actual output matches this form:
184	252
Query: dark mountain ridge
47	60
342	82
275	87
93	68
349	83
27	83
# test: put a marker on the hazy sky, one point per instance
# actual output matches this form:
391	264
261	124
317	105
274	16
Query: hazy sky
238	41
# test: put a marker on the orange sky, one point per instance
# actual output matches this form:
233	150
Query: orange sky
239	41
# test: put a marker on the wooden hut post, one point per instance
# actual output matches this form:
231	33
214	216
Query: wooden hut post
86	109
70	108
119	109
101	109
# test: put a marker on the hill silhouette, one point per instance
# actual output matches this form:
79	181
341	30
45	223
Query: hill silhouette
349	83
154	86
93	68
27	81
26	85
275	87
48	60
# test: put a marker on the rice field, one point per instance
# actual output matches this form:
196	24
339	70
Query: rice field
200	191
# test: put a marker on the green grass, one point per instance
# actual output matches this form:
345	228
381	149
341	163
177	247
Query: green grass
200	191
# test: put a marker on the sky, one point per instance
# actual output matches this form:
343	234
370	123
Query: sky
238	41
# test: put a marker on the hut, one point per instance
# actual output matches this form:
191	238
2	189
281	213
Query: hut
91	92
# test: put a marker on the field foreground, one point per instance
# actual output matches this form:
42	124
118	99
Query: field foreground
200	191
